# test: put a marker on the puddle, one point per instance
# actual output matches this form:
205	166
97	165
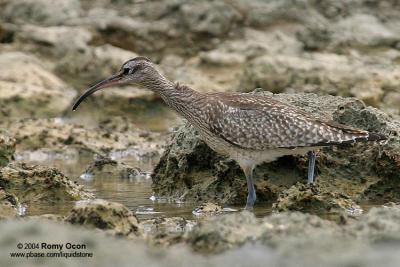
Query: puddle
135	193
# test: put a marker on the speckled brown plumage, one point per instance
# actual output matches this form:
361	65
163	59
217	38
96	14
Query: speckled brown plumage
255	122
248	128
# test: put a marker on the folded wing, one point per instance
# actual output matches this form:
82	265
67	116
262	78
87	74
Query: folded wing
254	122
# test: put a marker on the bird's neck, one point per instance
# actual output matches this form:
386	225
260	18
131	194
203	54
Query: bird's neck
157	83
180	98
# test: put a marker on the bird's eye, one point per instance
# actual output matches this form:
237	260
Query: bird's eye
126	71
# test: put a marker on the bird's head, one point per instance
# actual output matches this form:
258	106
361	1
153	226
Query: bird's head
139	71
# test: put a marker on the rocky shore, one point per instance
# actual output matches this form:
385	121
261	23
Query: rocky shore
338	60
282	239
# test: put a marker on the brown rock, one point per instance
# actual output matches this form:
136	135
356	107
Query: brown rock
34	183
27	89
111	217
8	204
314	200
7	148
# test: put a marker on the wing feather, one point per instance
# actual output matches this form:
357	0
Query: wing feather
254	122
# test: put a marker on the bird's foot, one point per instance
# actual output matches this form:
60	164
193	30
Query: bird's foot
251	198
249	208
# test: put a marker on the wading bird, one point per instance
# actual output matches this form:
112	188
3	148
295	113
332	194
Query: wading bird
248	128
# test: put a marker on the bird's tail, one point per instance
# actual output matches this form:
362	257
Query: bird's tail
352	135
376	137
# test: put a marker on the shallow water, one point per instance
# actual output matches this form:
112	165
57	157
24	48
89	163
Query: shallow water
135	193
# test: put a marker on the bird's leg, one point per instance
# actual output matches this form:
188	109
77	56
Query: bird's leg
311	167
251	196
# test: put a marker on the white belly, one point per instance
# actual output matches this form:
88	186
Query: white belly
246	157
253	158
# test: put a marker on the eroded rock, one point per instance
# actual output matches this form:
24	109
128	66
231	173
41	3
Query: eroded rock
8	204
41	11
286	239
380	224
106	166
91	63
292	228
206	209
287	229
358	30
166	231
111	217
296	233
27	89
209	17
322	73
223	232
57	134
7	148
34	183
54	40
311	199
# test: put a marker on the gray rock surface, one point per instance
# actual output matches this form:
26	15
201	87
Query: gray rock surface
225	232
89	64
28	89
338	47
54	41
322	73
165	231
350	46
299	234
41	11
286	239
57	134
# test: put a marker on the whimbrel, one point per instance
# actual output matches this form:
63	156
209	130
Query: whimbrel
250	129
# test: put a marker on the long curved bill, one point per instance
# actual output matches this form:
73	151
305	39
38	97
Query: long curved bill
113	80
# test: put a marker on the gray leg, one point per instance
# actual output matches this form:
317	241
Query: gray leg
311	167
251	196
